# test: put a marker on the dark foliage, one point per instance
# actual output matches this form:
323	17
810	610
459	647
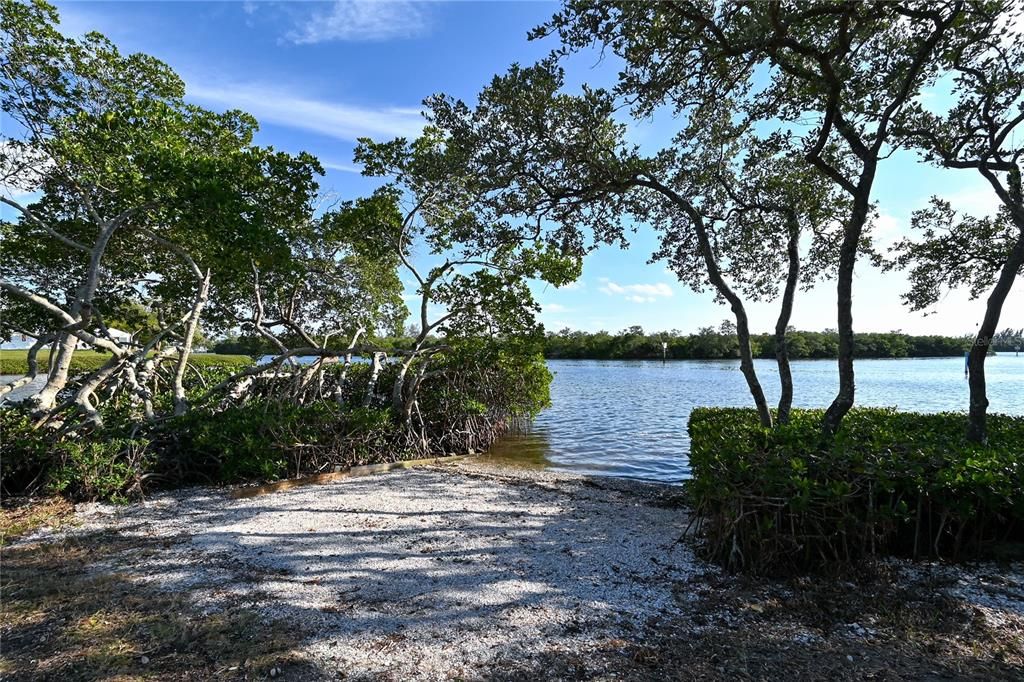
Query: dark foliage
474	393
889	483
708	344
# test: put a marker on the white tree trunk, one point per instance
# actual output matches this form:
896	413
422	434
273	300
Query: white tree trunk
371	387
180	402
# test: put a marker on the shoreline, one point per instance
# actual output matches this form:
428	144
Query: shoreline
469	571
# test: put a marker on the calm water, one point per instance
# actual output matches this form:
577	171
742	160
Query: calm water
628	418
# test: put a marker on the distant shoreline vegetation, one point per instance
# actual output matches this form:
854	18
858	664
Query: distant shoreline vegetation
716	344
710	343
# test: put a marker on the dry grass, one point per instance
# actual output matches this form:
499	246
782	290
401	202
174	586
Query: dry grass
66	618
21	516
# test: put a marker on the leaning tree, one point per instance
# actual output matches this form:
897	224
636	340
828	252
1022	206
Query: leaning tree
337	285
471	276
135	199
767	227
69	104
840	75
980	132
730	207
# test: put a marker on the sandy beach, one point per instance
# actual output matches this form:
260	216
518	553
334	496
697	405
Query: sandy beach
466	571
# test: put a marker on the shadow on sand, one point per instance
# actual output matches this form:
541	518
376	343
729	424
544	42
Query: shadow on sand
437	575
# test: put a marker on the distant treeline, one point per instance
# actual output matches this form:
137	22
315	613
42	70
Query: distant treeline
710	343
707	343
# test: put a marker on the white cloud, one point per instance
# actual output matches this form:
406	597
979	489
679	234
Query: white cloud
554	308
362	21
979	201
342	121
341	167
637	293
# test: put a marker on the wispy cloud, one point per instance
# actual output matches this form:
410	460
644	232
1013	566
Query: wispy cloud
554	308
347	168
637	293
334	119
362	21
979	200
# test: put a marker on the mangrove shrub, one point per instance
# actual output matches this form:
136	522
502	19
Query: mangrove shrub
888	483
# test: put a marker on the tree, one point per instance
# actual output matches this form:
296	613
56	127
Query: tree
481	256
149	211
67	96
853	69
1008	340
759	200
716	193
144	200
339	280
980	132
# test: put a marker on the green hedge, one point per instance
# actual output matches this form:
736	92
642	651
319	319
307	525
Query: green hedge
16	361
264	440
889	483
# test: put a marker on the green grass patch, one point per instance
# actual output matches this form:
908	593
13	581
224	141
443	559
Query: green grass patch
772	500
16	361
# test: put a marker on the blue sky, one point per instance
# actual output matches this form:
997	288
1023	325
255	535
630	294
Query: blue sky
318	75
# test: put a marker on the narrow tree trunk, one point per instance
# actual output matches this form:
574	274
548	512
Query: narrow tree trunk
180	402
60	365
747	363
781	342
145	388
414	389
83	397
411	404
371	387
735	303
80	310
844	304
140	391
977	412
398	388
339	393
51	358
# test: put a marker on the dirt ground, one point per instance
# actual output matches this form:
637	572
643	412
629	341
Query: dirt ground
465	572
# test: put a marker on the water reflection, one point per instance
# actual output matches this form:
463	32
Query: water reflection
525	449
628	418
